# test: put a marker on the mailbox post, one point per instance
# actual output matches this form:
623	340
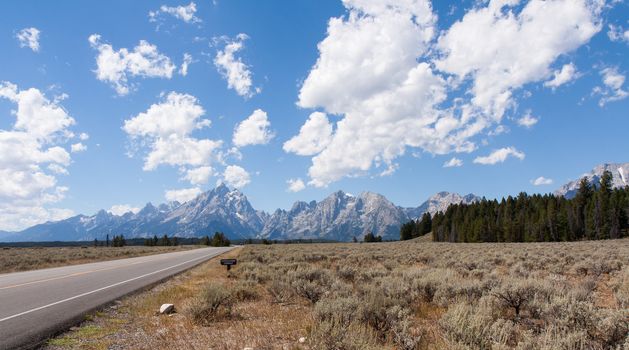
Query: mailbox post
229	263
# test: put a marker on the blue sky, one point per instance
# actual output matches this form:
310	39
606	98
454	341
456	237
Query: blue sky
387	92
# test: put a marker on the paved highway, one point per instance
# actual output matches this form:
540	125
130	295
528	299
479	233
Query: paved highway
37	304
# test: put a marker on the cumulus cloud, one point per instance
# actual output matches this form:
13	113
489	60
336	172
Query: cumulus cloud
542	181
233	69
567	74
236	176
121	209
527	121
453	163
182	195
368	73
314	136
499	156
612	89
187	60
295	185
29	37
31	155
165	128
116	67
617	33
185	13
501	49
396	85
254	130
200	175
78	147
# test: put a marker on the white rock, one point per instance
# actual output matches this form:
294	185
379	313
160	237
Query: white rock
166	308
302	340
247	349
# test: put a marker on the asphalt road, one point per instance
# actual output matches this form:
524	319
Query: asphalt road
34	305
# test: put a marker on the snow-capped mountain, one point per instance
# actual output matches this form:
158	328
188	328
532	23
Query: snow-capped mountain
439	202
620	173
340	216
220	209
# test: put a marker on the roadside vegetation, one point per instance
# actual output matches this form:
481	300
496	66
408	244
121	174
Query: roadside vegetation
402	295
14	259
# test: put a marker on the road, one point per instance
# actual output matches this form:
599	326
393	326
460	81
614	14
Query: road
37	304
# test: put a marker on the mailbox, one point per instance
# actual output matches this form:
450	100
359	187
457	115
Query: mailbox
229	263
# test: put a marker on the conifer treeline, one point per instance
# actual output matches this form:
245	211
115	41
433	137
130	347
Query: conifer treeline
596	212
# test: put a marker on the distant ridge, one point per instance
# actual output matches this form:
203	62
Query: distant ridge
340	216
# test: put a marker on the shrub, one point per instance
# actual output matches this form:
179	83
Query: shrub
280	290
212	304
468	324
327	336
244	291
515	294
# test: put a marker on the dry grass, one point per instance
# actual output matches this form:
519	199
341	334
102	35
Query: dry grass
24	259
405	295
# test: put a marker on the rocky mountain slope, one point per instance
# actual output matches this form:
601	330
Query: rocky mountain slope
620	173
340	216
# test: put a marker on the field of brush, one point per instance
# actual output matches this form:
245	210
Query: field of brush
478	296
14	259
403	295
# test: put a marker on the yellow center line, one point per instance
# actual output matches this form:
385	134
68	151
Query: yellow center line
79	274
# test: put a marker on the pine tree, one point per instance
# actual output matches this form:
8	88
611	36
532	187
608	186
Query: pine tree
406	231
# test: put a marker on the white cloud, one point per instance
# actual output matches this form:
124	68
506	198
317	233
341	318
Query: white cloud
314	136
121	209
184	13
182	195
236	72
83	136
567	73
178	114
78	147
527	121
36	115
58	169
236	176
187	60
33	144
115	67
501	49
295	185
254	130
541	181
200	175
613	86
616	33
499	156
453	163
395	85
29	37
368	73
165	129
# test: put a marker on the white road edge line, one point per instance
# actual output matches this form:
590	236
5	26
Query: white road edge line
97	290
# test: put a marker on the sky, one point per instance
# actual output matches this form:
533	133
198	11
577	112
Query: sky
110	105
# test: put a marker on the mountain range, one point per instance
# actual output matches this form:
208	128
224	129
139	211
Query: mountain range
341	216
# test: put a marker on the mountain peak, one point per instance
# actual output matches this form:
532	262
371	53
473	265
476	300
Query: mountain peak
620	178
221	189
